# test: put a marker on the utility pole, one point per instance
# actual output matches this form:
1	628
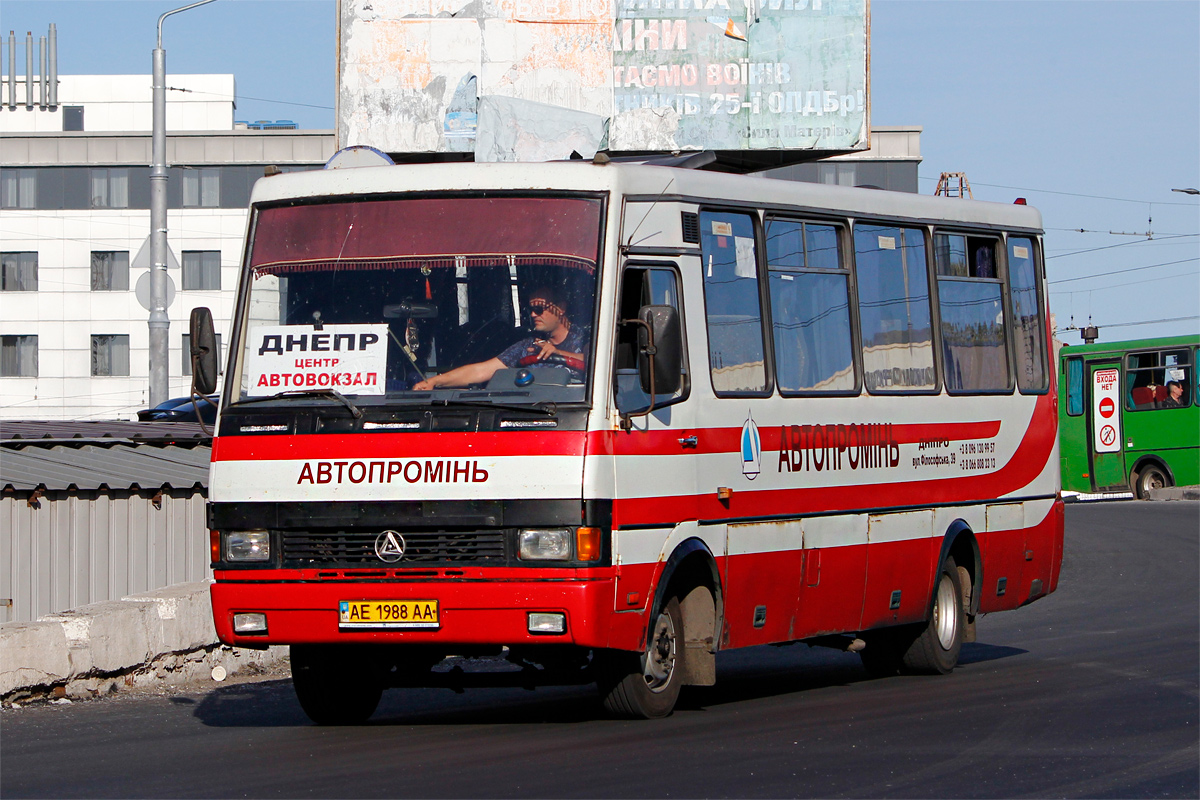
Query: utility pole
160	323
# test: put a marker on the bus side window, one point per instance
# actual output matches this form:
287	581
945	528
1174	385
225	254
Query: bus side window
810	307
731	303
1074	387
1177	372
971	302
894	312
642	286
1029	332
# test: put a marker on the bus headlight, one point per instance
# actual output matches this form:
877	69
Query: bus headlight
544	544
247	546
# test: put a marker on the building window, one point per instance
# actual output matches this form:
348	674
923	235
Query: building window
894	312
72	118
18	272
18	188
110	271
110	188
18	356
110	354
187	354
202	269
202	187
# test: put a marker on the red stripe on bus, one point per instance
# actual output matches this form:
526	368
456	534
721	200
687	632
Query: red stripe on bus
1027	463
729	440
385	445
535	443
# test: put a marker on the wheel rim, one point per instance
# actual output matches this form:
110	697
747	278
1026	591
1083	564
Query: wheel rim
1155	480
945	616
659	659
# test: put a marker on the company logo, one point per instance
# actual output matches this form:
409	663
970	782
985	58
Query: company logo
751	449
389	546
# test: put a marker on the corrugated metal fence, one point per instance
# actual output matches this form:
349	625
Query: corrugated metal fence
67	549
98	511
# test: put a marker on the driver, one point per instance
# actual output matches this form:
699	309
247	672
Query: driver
555	342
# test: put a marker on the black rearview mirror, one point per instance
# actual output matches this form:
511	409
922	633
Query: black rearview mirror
204	351
410	309
662	351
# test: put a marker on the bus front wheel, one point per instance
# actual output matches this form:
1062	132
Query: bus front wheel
1149	477
645	685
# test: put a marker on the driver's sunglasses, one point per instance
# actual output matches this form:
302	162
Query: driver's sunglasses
537	309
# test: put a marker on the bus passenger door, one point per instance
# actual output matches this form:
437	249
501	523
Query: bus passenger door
656	471
1105	437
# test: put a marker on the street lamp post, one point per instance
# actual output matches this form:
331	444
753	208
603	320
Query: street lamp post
159	322
1187	191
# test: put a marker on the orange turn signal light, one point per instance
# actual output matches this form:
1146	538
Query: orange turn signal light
587	544
214	546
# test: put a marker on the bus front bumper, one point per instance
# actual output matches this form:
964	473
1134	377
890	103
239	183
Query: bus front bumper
468	613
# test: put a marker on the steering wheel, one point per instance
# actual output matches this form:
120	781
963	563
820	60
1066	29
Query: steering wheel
553	360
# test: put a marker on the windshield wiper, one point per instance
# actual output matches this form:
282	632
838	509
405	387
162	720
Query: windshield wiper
543	406
334	393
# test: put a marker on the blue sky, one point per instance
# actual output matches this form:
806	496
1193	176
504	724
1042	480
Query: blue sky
1091	110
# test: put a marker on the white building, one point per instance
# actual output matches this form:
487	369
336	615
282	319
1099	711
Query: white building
75	222
75	216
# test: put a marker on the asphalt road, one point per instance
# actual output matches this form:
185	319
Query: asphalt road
1091	692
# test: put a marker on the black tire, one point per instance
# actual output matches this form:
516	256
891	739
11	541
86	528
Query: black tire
645	685
336	685
1149	477
935	651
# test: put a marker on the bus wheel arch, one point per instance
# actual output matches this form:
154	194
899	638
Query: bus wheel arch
1147	474
691	575
960	544
682	628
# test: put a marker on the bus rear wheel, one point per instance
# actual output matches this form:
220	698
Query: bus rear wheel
336	685
936	649
1150	477
645	685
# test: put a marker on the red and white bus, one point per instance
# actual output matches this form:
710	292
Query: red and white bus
607	420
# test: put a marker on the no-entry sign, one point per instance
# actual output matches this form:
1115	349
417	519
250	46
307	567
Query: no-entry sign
1106	424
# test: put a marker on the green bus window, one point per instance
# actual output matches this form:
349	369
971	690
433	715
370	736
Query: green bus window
1074	387
1159	379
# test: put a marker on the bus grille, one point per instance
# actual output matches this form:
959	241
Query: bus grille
419	547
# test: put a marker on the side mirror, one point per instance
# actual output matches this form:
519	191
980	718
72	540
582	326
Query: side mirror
204	351
660	350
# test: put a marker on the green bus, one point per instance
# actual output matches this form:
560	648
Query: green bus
1128	415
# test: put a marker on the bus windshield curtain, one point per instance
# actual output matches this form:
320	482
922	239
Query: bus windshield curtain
382	234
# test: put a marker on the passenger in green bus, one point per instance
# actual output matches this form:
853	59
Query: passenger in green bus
1174	395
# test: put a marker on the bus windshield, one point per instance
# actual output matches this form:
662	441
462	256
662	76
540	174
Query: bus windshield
404	300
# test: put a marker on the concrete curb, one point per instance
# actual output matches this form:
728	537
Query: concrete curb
165	636
1176	493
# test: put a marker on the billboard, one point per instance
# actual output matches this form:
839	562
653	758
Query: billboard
519	80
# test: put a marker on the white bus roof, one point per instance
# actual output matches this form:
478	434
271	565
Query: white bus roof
645	181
